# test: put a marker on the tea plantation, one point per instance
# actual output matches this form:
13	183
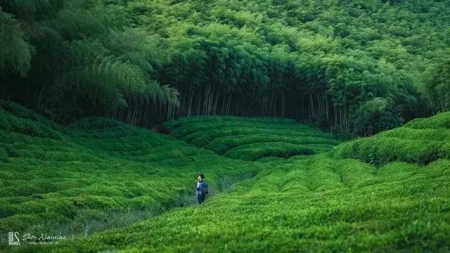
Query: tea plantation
420	141
252	138
96	174
386	193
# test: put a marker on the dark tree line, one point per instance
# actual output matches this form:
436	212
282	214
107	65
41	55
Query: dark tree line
356	66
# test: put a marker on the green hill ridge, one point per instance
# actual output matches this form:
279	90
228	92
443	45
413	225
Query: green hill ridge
419	141
251	139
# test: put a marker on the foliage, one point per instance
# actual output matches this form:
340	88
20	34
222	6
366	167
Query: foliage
438	86
97	173
16	52
354	66
317	204
251	138
76	59
420	141
101	174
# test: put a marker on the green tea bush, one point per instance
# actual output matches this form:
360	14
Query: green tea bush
314	204
405	133
18	221
397	171
441	120
97	124
379	150
297	181
224	135
97	202
222	144
32	207
194	124
257	151
7	210
3	155
420	141
142	202
389	194
438	168
355	174
322	175
101	166
21	112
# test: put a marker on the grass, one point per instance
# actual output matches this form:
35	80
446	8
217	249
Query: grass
281	190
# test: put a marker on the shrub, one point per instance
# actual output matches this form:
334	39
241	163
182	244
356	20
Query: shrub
3	154
441	120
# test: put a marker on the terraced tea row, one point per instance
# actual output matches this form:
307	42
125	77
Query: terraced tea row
97	173
252	139
420	141
321	203
317	204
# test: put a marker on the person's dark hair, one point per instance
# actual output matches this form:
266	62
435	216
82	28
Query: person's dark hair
201	175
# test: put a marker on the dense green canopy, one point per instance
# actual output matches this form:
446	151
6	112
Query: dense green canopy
358	66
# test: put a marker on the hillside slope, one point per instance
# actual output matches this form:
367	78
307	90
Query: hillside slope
422	141
321	204
97	173
314	205
252	138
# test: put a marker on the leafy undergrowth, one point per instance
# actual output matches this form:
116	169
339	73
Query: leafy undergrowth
97	174
317	204
251	138
420	141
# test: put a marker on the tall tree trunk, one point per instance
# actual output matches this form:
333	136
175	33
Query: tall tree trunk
199	103
214	110
311	106
191	100
228	107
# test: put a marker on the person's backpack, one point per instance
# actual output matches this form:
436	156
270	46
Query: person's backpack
204	188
